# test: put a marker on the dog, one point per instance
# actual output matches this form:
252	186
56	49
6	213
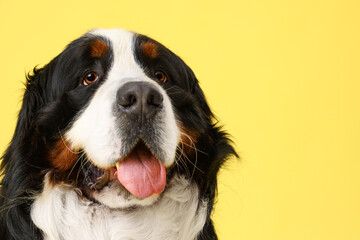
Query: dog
114	140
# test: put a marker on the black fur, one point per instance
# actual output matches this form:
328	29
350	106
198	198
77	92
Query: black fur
54	96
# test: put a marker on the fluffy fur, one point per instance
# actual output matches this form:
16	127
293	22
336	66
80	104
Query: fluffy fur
74	127
177	215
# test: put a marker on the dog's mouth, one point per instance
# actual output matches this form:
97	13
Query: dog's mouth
140	172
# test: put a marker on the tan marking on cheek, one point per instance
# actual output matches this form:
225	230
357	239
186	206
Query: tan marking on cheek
98	48
188	139
62	157
149	49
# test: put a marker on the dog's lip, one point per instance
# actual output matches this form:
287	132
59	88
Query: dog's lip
138	142
104	179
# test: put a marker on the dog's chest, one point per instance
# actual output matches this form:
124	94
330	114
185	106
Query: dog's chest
61	214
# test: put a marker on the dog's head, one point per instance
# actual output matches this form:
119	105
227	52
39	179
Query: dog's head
116	115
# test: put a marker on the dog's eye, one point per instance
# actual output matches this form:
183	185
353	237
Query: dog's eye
160	76
90	78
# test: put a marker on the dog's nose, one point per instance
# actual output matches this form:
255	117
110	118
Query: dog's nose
139	100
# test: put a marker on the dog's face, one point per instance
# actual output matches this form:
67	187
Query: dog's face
123	113
128	127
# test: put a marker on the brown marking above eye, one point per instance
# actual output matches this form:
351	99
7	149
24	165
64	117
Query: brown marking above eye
149	49
98	48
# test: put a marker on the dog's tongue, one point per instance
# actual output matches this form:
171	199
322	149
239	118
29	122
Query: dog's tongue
141	173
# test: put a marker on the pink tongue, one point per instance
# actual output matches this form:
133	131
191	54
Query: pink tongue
142	174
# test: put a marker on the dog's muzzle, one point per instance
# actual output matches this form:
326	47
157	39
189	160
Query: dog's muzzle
140	116
139	113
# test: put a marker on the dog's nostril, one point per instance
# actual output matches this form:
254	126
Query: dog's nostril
127	100
155	99
131	100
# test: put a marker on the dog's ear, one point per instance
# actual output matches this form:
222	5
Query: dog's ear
33	100
17	172
217	141
219	148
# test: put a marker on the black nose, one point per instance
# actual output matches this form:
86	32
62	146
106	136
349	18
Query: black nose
139	100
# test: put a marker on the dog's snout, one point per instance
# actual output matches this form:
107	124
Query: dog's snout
139	100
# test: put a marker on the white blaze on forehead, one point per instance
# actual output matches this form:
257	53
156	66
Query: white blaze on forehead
124	64
95	130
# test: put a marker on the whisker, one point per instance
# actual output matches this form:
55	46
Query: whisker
183	155
193	146
195	167
172	93
170	88
72	169
64	142
32	165
179	157
82	165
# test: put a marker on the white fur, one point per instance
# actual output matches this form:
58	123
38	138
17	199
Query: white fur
94	129
63	214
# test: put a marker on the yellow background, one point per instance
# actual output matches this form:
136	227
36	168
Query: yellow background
283	76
